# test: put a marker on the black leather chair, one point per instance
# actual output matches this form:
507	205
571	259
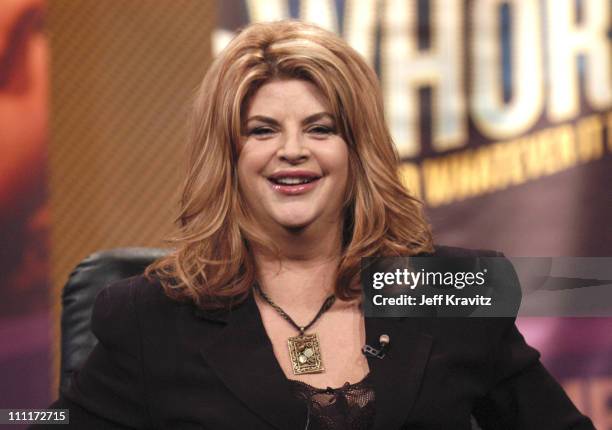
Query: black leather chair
85	282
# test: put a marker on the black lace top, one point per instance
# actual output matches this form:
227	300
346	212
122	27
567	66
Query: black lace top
350	406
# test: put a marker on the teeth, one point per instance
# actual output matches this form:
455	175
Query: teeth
293	181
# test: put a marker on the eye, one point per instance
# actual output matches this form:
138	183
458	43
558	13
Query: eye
260	131
321	130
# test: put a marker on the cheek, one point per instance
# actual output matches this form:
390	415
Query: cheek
340	165
337	158
251	165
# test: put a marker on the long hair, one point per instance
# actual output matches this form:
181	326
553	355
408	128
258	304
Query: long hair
212	264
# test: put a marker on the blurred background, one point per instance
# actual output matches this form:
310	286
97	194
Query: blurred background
501	111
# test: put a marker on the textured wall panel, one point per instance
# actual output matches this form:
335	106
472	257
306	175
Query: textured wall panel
122	76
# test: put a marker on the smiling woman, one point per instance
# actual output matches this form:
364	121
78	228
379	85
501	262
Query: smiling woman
255	320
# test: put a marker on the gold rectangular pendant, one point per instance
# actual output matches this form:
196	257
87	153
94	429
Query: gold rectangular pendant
305	354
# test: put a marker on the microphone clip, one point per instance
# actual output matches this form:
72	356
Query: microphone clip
370	351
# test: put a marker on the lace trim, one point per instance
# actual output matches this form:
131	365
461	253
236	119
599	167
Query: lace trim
351	406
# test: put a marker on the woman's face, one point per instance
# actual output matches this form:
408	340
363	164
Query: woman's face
292	163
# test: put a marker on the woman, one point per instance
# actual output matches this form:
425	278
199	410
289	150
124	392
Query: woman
292	180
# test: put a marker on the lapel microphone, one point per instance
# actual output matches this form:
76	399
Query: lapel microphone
370	351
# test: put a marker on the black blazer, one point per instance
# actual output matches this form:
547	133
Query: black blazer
168	365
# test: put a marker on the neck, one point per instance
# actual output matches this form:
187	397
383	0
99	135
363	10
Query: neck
305	272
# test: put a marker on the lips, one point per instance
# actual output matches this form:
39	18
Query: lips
293	182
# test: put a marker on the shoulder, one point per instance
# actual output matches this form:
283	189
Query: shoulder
125	293
121	307
134	291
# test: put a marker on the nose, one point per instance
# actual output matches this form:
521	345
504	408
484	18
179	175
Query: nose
292	148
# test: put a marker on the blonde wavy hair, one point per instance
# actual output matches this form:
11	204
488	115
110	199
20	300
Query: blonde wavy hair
212	264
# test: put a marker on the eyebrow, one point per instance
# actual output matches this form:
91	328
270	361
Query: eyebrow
307	120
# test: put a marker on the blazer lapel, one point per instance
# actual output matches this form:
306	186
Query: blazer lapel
397	376
242	356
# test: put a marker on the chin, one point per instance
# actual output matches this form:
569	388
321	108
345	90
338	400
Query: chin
294	224
292	217
294	221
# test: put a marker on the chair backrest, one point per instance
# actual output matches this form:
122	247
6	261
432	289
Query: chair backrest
78	296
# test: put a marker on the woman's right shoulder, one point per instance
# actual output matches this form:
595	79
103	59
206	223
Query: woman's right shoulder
138	298
143	299
130	291
138	287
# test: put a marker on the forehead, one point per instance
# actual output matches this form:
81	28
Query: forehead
287	96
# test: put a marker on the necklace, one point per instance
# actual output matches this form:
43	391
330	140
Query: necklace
304	350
